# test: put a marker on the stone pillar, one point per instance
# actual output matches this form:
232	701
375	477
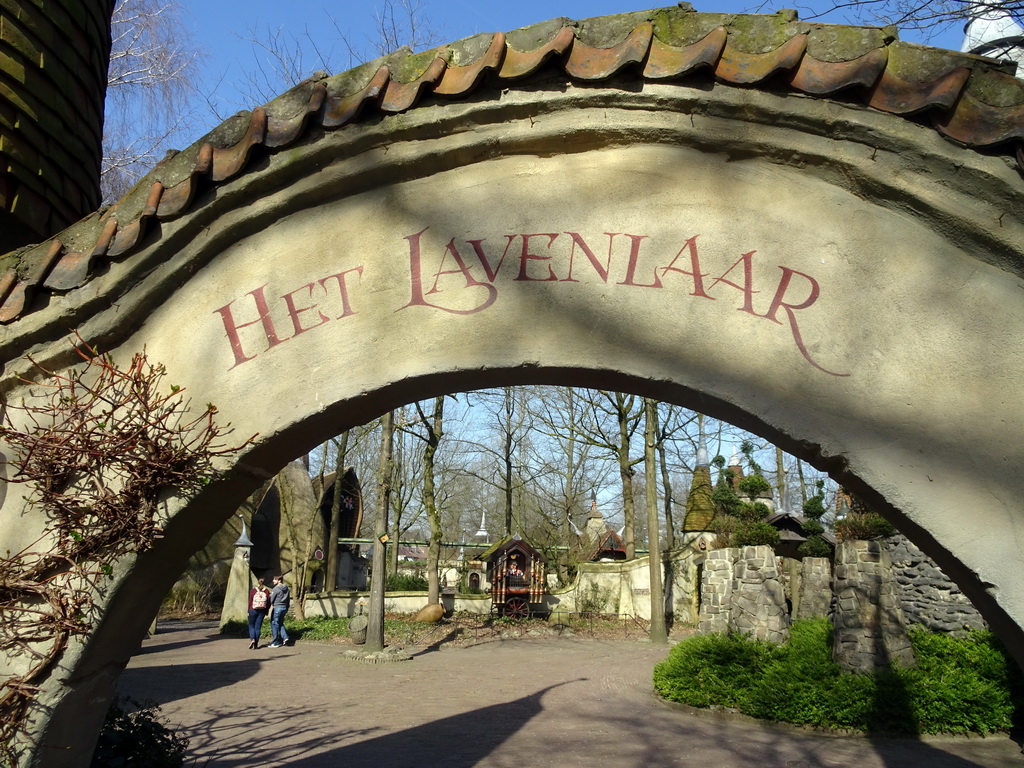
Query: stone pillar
815	595
870	630
716	590
236	599
758	599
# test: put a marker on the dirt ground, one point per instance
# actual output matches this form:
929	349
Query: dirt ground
504	703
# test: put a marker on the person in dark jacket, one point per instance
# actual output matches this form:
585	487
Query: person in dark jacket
280	599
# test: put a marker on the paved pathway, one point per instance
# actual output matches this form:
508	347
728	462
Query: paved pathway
530	703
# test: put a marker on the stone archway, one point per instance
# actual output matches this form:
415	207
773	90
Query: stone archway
605	208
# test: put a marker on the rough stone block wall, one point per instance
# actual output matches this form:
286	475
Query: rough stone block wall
870	629
716	590
53	75
758	599
927	595
815	595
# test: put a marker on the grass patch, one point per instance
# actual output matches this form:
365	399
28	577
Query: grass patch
961	685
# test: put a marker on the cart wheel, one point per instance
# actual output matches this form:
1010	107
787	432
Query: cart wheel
517	608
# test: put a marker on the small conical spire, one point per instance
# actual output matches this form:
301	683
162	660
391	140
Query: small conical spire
243	540
482	533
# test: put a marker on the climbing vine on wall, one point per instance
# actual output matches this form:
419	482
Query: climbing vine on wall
100	446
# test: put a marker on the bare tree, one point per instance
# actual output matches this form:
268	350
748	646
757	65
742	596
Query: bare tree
927	16
151	81
432	427
401	23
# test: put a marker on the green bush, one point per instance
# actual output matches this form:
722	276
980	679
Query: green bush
401	582
868	525
753	486
133	736
754	534
961	685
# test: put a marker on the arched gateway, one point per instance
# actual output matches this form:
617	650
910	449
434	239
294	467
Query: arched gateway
760	218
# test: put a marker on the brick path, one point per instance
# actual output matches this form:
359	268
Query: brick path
571	703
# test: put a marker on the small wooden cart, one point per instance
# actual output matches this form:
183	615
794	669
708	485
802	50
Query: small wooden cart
516	572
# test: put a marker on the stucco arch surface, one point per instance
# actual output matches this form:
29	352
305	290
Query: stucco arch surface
838	279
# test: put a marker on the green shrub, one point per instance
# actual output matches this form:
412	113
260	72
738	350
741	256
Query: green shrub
753	486
868	525
815	546
961	685
133	736
753	534
714	669
401	582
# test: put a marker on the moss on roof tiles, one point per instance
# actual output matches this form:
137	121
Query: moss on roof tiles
609	31
410	67
679	27
921	64
833	43
764	34
995	88
464	52
537	35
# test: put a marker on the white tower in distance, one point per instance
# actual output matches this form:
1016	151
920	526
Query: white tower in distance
993	32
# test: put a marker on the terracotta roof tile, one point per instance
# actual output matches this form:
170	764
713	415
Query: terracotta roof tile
742	68
967	98
283	130
343	108
227	161
666	62
825	77
398	97
590	63
460	80
519	64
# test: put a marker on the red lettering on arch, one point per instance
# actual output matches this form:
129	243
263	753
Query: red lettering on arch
418	298
601	269
231	328
696	273
748	282
634	257
526	257
778	302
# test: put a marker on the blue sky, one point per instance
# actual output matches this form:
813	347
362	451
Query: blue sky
222	28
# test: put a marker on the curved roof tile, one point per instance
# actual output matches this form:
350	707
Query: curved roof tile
968	98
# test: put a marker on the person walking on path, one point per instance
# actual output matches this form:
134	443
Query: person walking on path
259	605
280	599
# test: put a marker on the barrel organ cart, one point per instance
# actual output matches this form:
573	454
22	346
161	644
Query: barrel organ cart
516	572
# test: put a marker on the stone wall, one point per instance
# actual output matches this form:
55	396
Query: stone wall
741	590
927	595
870	629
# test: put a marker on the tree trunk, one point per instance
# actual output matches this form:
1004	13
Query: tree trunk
434	432
626	476
331	545
780	481
666	484
507	466
658	631
375	620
